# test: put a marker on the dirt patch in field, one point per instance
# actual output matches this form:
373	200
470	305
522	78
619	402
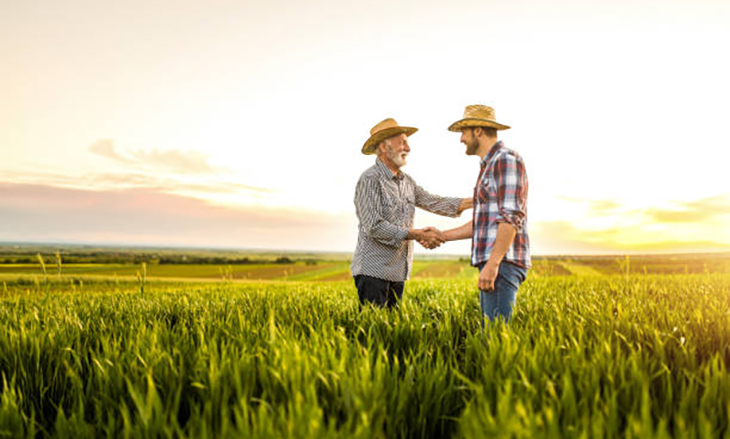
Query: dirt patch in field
549	268
439	270
275	272
336	277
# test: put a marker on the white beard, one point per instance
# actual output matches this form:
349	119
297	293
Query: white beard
398	158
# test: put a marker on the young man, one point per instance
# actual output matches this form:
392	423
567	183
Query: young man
500	243
385	201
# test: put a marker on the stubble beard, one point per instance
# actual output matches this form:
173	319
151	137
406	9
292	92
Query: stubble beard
472	146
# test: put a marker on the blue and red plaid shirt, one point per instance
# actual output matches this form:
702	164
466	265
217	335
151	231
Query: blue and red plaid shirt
500	196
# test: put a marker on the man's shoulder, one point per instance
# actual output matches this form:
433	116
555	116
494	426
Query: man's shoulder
505	153
371	171
372	176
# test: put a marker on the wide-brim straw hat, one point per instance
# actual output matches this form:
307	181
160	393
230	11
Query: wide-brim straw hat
384	129
478	116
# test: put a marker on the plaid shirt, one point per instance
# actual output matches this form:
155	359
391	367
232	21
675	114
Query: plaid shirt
385	205
500	196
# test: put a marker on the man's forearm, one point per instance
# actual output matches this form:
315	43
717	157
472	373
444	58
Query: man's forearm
445	206
505	235
428	237
466	203
414	234
458	233
382	231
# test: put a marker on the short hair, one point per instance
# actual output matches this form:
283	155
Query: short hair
387	142
488	131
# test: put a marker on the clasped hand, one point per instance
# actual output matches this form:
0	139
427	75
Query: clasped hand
431	237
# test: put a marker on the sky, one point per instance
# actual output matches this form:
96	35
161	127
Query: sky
239	124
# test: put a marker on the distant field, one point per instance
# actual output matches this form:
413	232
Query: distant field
338	270
297	271
322	272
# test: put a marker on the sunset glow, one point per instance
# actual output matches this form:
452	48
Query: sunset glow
239	124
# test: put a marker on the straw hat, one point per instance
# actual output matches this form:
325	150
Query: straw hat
385	129
477	116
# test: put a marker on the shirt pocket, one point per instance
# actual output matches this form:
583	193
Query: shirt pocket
391	206
481	192
410	209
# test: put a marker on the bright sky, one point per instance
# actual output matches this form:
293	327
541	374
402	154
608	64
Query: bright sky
239	124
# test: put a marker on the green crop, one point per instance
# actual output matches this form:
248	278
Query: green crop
584	357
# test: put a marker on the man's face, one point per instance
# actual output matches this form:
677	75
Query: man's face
469	139
398	149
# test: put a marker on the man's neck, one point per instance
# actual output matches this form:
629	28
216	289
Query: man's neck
390	165
485	146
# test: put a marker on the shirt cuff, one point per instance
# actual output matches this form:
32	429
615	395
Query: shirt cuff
513	218
401	235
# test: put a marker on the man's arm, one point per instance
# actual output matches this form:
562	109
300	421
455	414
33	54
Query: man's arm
461	232
511	180
505	235
368	205
446	206
428	237
466	203
439	237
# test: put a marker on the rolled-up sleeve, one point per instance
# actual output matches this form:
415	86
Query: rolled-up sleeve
368	206
446	206
511	185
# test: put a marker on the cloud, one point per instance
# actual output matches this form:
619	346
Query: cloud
153	216
597	207
693	211
563	237
149	217
683	212
678	216
105	148
137	180
187	162
127	180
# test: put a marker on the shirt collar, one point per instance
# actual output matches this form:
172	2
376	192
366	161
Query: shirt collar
496	147
385	172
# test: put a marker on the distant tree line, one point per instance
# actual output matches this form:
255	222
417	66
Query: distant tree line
217	260
150	259
86	258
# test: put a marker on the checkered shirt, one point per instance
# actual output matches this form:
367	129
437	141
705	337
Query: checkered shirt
500	196
385	205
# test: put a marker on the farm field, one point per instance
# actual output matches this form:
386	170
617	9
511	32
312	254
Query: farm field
322	272
630	354
339	270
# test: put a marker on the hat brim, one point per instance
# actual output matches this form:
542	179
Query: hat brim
375	139
470	122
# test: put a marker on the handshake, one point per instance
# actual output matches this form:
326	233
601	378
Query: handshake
429	237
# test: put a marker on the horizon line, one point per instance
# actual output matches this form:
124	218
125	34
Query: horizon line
338	252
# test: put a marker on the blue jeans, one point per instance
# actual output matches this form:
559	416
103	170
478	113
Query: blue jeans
498	303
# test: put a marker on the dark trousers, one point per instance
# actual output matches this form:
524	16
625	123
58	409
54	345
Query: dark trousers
382	293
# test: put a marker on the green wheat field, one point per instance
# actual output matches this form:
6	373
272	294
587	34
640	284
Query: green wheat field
122	344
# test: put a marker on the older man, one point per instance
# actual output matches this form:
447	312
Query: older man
385	201
500	243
